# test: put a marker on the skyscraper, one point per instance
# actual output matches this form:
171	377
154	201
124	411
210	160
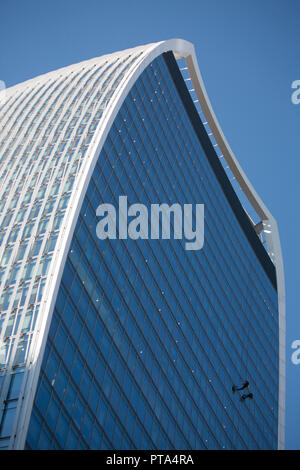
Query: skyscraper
133	342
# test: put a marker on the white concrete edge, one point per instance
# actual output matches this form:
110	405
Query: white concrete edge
273	240
182	49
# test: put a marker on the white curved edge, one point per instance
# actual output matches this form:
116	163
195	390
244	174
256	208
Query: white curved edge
184	49
270	228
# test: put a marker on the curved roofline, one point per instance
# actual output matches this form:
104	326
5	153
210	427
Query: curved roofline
184	49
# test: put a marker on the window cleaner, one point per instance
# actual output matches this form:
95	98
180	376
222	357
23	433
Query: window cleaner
242	387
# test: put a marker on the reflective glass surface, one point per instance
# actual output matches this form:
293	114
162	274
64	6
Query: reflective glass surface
47	126
146	338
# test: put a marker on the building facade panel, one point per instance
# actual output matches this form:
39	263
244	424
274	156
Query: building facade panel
47	128
155	333
132	343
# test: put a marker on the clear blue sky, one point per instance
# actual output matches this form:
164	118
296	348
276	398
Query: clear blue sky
248	52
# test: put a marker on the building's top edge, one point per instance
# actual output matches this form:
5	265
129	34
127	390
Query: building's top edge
88	62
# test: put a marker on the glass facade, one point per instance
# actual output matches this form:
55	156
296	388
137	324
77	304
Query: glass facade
48	125
146	338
